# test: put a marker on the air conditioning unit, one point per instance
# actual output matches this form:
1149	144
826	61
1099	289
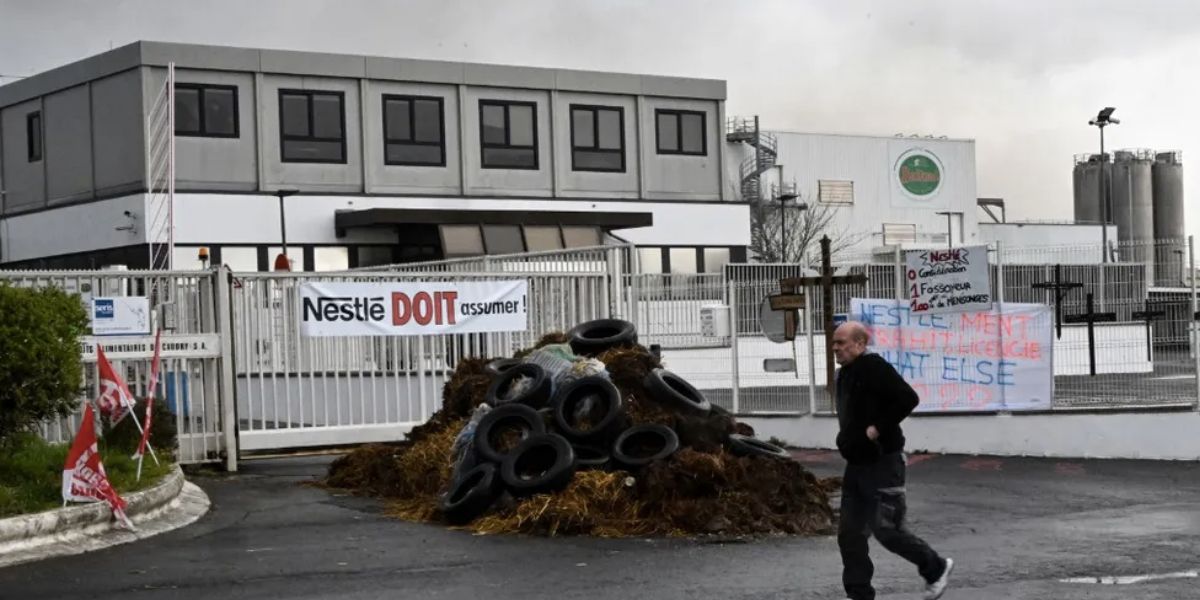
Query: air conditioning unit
714	320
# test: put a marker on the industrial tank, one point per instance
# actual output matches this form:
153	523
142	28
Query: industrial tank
1169	219
1133	206
1088	168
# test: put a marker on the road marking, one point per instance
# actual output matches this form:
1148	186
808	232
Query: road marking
1069	469
982	464
918	458
1132	579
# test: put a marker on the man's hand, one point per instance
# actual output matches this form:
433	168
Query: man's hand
872	433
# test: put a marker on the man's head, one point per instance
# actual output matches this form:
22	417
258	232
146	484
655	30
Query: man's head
849	342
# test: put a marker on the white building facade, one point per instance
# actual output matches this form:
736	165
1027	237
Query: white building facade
361	161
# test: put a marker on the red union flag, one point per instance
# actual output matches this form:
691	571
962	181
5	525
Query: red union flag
148	420
84	479
116	401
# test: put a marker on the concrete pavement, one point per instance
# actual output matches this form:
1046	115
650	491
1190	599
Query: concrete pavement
1016	527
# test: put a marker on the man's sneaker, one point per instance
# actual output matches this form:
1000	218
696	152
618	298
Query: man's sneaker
934	590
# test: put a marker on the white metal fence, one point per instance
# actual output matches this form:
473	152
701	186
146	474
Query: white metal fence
283	390
295	391
190	382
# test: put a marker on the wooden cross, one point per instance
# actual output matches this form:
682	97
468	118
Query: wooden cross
826	280
1147	316
1091	317
1060	288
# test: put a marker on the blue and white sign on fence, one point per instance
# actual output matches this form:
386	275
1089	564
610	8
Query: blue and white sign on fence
121	315
999	359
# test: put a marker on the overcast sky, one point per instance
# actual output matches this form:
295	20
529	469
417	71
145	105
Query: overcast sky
1021	77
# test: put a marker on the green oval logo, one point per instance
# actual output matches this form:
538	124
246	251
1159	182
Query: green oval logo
919	174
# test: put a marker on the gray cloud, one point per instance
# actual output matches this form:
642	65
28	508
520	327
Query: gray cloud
1019	76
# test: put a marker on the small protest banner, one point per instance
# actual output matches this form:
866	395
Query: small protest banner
84	479
116	401
999	359
948	280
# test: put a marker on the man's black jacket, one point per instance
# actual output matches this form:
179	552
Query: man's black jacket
871	392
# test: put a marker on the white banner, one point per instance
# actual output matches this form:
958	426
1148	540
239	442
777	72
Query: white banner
336	309
121	315
948	280
991	360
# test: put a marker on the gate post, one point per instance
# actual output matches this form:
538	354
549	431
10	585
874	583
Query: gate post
224	324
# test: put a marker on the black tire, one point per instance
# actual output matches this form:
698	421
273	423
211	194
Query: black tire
593	337
543	463
500	365
588	456
497	420
672	390
472	495
744	445
639	446
535	396
607	403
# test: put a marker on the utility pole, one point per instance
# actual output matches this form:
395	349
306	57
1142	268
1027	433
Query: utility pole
1101	121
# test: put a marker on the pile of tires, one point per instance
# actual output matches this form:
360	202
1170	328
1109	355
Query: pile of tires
535	436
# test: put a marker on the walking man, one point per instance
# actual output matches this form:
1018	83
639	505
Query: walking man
872	400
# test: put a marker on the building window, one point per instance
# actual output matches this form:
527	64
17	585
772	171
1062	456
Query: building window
542	238
240	258
650	260
33	135
461	240
206	110
715	259
503	239
683	260
597	138
374	256
835	192
331	258
581	237
680	132
508	134
312	126
414	131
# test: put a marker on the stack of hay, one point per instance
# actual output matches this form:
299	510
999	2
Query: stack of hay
587	434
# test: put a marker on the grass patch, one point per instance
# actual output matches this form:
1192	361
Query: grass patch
31	474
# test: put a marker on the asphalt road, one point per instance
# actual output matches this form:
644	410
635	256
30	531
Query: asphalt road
1015	526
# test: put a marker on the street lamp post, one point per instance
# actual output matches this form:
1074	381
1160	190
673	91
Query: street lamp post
1102	120
784	199
282	262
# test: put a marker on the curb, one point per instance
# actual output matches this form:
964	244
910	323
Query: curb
171	504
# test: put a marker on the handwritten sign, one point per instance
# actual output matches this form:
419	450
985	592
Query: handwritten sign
948	280
1000	359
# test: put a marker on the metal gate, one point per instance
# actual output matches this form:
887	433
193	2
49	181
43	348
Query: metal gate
185	305
294	391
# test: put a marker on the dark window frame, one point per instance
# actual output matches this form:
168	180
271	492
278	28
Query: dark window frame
35	152
412	129
201	88
679	114
283	137
507	145
595	147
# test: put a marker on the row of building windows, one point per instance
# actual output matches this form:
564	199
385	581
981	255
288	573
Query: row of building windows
674	260
312	129
683	260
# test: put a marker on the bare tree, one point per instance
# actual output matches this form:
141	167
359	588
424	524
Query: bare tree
770	226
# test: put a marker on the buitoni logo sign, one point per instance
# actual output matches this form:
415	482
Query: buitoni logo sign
333	309
919	173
